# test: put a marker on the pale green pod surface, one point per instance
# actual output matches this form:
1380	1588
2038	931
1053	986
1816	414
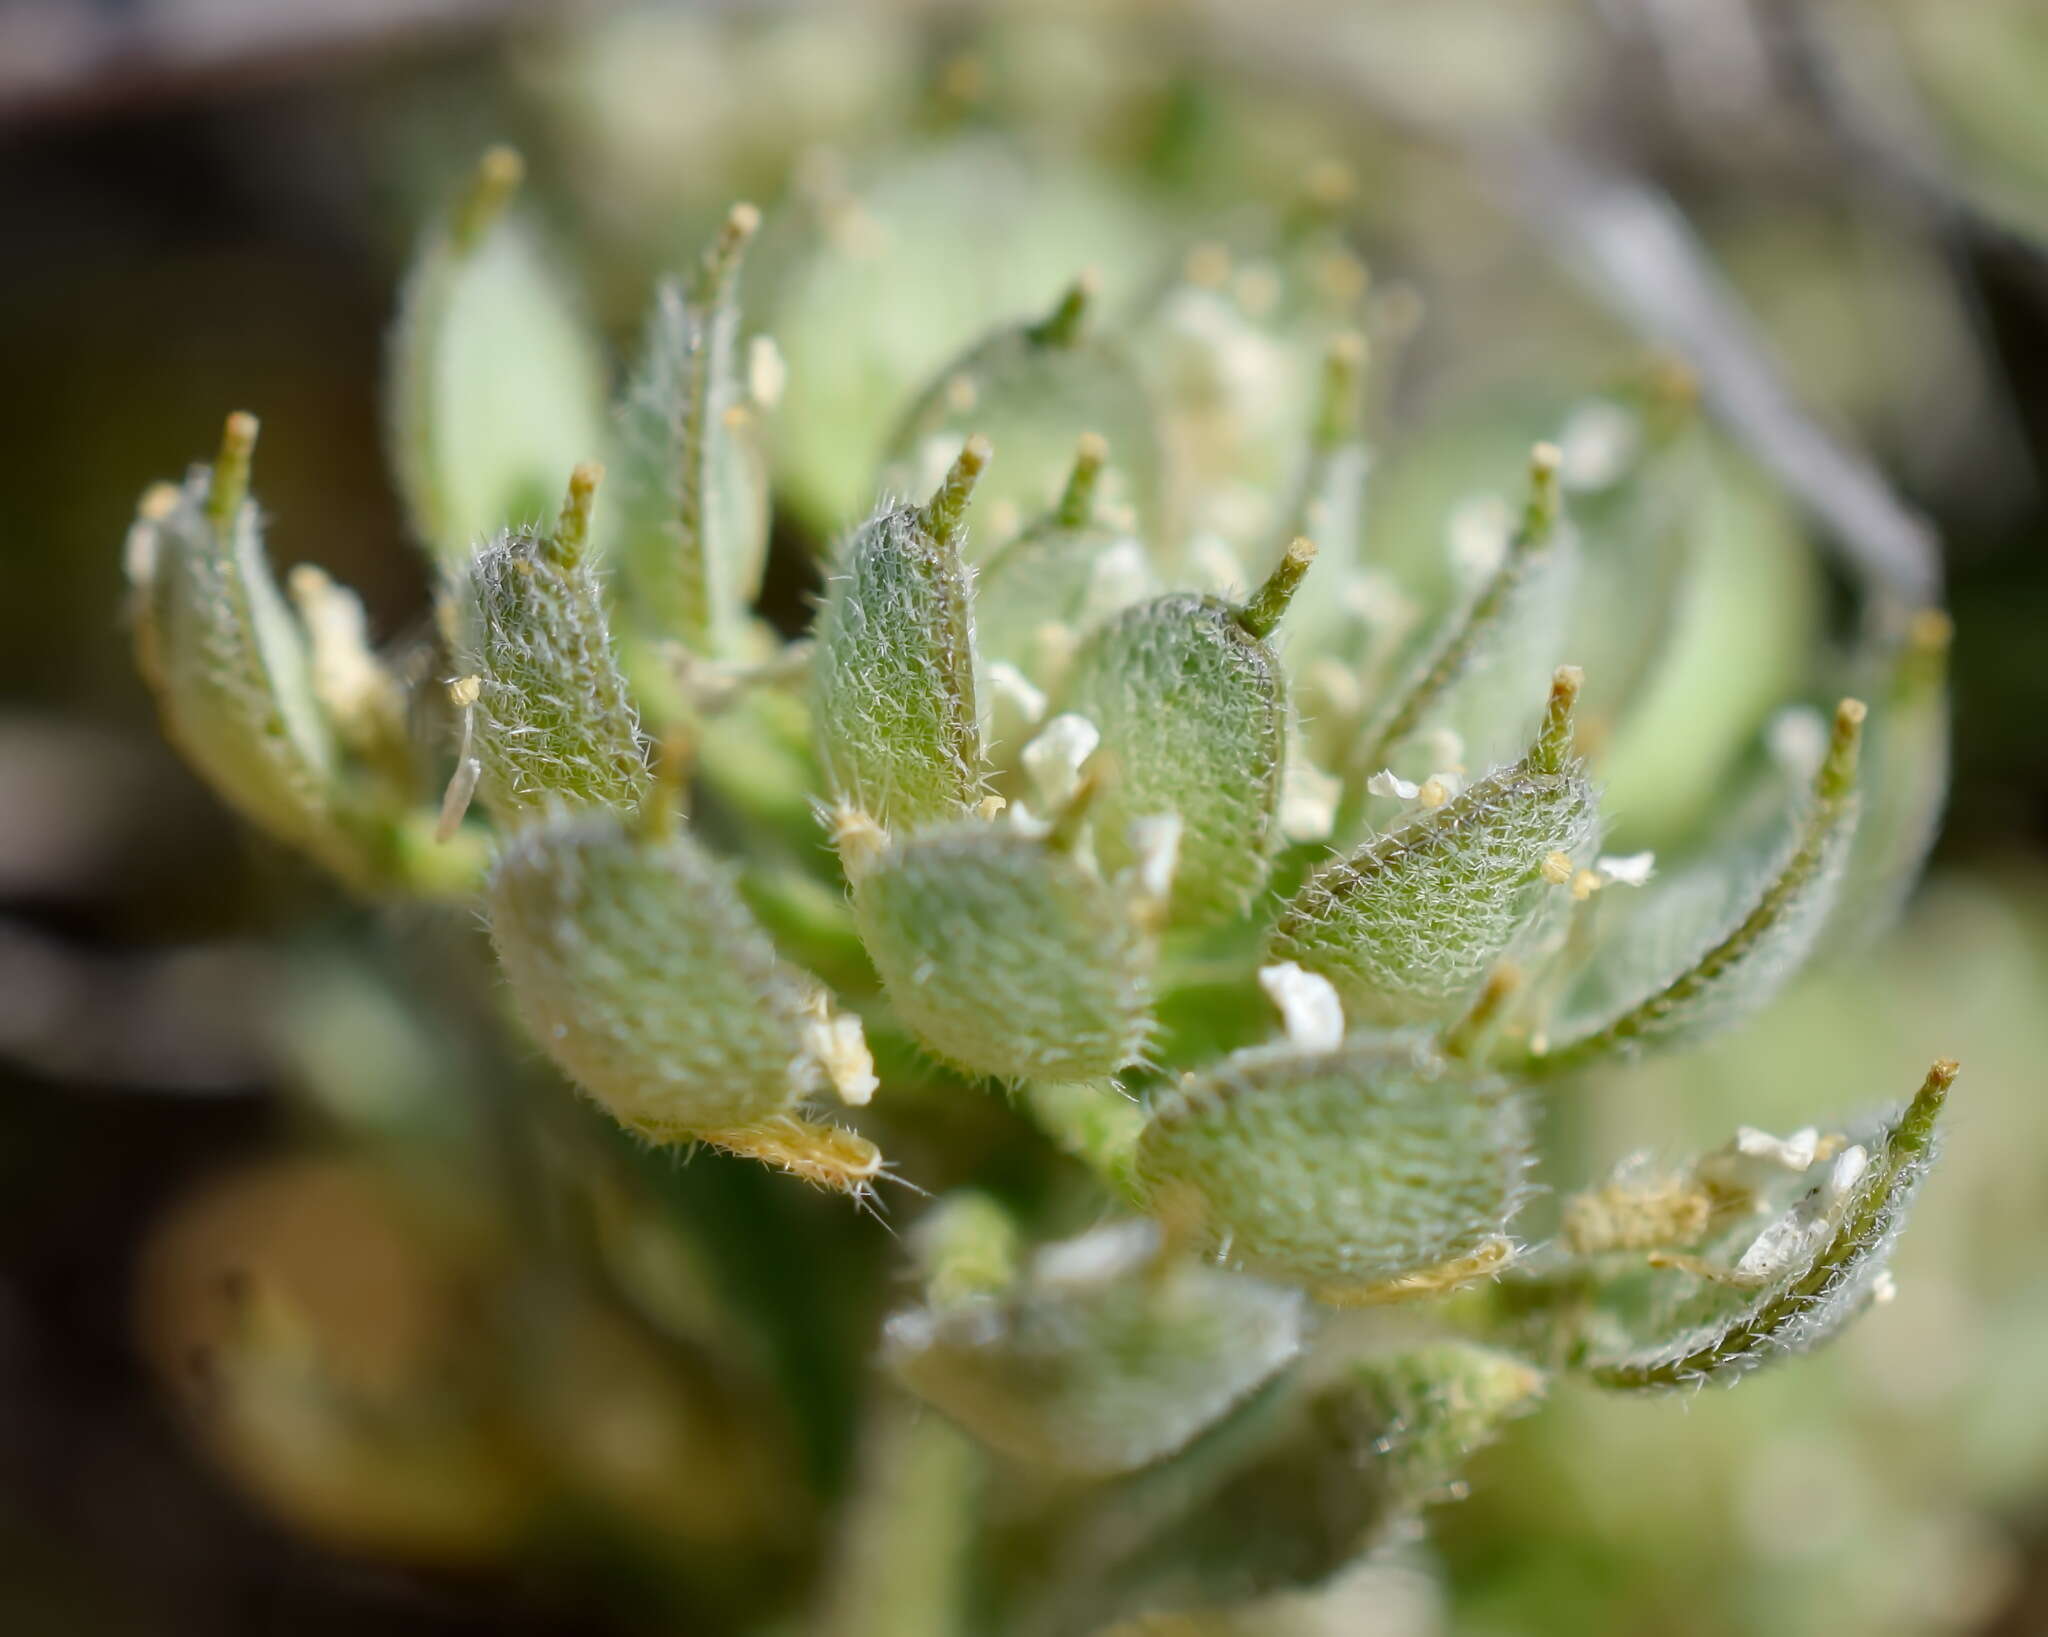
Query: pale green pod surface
1347	1169
1097	1361
1329	501
554	724
1065	573
229	663
893	680
1303	1483
494	386
1905	778
1806	1275
1712	971
692	472
1192	708
637	968
1437	1406
1407	927
1486	656
1030	388
1006	955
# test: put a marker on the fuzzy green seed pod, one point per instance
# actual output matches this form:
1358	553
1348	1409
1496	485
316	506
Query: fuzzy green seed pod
1906	774
1098	1360
1007	954
1191	705
1523	590
554	724
230	666
1750	952
1810	1272
692	471
1302	1481
894	676
494	384
1069	570
1408	926
640	971
1027	387
1437	1406
1371	1170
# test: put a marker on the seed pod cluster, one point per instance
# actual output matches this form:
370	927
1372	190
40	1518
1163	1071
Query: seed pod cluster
1073	767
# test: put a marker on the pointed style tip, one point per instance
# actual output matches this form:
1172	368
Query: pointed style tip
1838	769
1545	498
1260	615
1077	501
572	531
499	174
238	436
946	511
1554	741
502	167
1340	410
1062	326
229	485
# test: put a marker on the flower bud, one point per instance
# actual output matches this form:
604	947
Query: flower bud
894	674
1347	1170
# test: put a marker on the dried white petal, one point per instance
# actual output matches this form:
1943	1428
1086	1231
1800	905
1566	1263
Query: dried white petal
1627	869
1477	537
1386	782
1006	682
1054	759
1798	740
1308	1005
1598	443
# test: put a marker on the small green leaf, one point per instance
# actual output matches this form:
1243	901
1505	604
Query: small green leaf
1750	953
1099	1359
1191	705
894	675
1028	387
1006	954
1810	1272
1370	1171
494	385
692	472
1408	926
554	724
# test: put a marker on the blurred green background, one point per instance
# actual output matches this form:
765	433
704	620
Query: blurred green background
207	207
